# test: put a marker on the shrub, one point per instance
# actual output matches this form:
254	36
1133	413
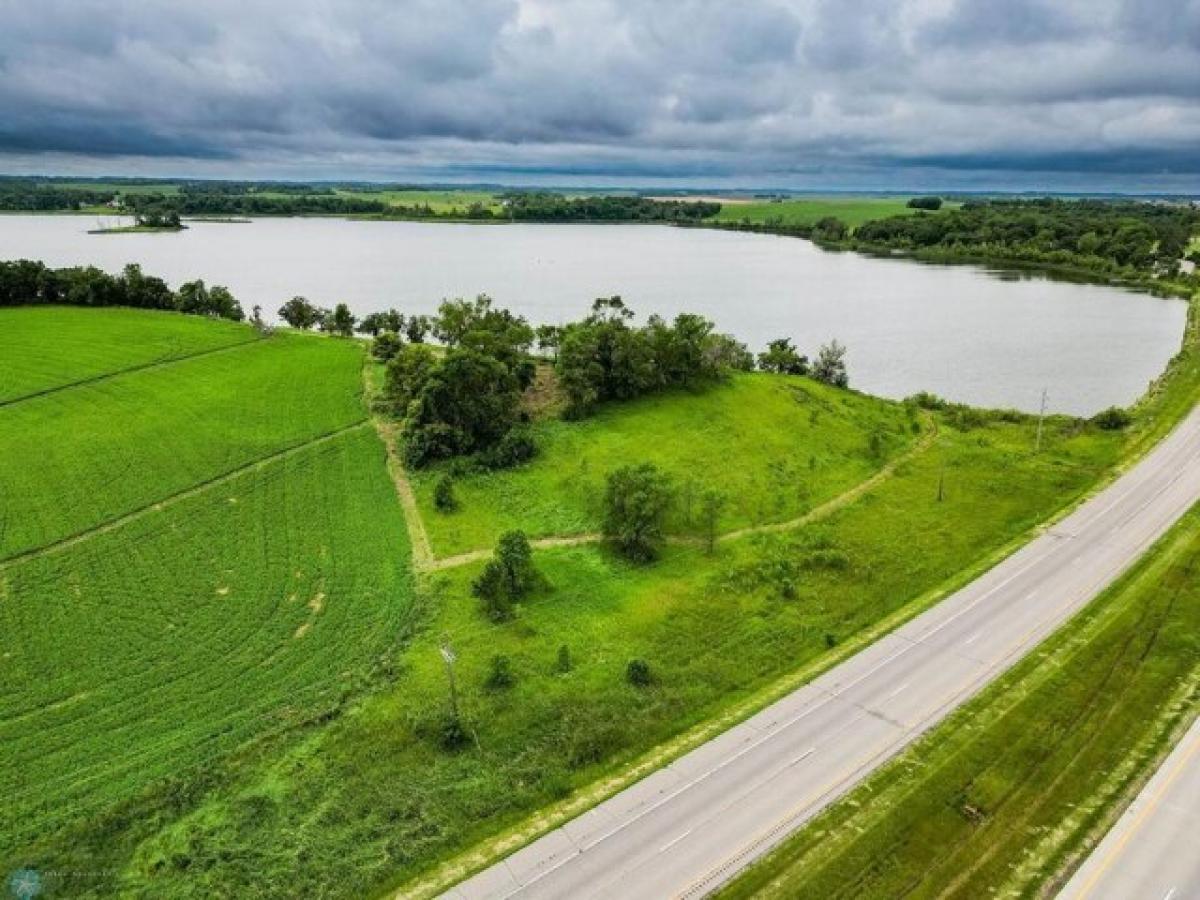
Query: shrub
1113	419
638	673
932	203
452	734
443	494
514	448
500	674
494	600
563	665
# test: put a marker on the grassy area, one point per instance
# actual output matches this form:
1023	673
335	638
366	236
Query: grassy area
48	347
796	444
440	202
1001	797
75	459
373	798
851	210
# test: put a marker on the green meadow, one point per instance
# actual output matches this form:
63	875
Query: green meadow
776	446
809	210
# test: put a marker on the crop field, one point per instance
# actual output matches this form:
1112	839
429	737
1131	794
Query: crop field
389	802
851	210
151	648
776	446
49	347
1000	798
78	458
253	570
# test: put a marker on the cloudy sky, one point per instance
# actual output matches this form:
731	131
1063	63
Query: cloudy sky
879	94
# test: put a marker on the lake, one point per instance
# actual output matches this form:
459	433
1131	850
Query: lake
959	331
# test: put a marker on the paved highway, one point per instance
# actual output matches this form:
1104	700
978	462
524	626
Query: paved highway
1153	851
689	827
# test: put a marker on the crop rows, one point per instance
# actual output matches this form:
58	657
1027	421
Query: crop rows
48	347
131	656
77	458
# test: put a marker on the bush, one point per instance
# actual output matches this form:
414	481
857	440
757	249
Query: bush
452	734
1113	419
931	203
563	665
516	447
426	443
443	494
500	674
494	599
638	673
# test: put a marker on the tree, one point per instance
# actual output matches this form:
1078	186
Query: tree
830	228
782	358
386	346
416	328
516	563
830	366
341	322
488	588
1113	419
377	323
467	403
711	504
548	338
197	298
406	375
299	313
932	203
636	500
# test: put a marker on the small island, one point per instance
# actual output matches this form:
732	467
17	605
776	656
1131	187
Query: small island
146	221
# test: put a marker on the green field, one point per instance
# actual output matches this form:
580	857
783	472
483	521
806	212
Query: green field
373	799
221	678
254	571
999	799
777	446
153	648
439	201
78	458
47	347
851	210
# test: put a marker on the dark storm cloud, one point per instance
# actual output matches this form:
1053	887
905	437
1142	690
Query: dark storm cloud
754	89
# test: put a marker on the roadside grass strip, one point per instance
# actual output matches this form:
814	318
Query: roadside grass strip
1013	789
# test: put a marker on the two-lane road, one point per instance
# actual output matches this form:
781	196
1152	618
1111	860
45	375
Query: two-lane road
689	827
1153	851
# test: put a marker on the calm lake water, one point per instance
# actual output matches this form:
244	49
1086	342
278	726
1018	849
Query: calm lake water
958	331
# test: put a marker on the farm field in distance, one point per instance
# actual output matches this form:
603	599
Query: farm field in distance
852	210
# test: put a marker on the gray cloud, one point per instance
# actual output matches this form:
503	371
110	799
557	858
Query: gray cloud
761	91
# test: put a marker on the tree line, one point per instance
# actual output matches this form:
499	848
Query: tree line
26	282
547	207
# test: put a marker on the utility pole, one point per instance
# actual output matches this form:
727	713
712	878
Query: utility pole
449	657
1041	419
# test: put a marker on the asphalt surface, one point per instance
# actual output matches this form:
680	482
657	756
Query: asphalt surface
1153	851
689	827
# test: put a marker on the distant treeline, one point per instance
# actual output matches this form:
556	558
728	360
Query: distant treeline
1137	241
557	208
1084	233
218	203
26	282
17	196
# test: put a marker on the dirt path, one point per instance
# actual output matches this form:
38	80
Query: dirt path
928	436
422	550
